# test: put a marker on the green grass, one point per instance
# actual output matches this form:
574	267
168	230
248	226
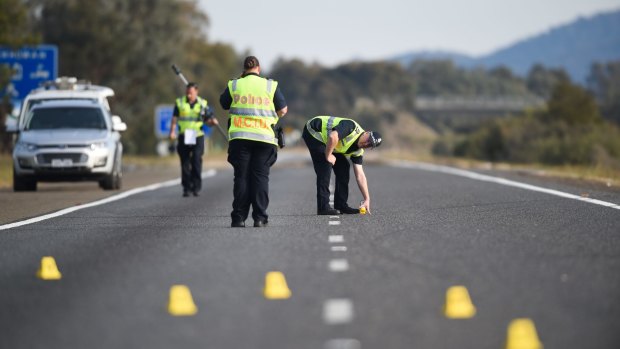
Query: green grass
6	171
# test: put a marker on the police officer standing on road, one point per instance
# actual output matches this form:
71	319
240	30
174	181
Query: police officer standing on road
331	140
189	114
254	104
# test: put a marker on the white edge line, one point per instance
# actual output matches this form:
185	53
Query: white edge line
498	180
123	195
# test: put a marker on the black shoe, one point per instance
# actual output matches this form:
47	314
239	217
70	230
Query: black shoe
349	210
328	212
260	224
237	224
195	193
185	194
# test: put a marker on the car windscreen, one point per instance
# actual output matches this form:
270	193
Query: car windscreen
66	117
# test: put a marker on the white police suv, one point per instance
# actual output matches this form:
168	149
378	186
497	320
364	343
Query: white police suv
70	139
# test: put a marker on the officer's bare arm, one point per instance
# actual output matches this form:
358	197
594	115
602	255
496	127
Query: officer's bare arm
362	183
173	127
282	111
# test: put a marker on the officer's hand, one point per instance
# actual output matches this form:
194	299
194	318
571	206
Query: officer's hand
331	159
212	122
173	135
366	204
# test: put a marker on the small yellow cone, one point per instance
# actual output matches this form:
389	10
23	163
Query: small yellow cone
181	302
275	286
522	335
48	269
458	303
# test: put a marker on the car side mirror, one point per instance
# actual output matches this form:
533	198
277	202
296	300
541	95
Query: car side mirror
118	124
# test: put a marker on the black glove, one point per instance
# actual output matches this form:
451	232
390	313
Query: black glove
280	135
207	113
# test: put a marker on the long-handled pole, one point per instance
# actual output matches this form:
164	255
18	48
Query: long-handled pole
177	71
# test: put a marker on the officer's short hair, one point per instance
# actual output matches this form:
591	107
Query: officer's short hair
192	84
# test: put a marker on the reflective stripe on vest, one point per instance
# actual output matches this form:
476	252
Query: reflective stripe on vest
327	124
189	118
252	113
252	136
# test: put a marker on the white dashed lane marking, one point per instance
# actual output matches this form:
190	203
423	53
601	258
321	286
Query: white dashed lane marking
337	311
338	265
335	239
334	222
343	343
339	248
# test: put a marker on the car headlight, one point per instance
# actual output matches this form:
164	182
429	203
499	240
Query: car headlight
26	146
100	145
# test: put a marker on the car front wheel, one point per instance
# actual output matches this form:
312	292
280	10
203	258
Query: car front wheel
23	183
113	181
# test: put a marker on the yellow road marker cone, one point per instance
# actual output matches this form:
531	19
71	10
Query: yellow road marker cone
458	303
275	286
181	302
522	335
48	269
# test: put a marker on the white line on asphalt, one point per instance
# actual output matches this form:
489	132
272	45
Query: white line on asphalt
334	222
343	343
335	238
339	248
123	195
338	265
337	311
334	217
485	178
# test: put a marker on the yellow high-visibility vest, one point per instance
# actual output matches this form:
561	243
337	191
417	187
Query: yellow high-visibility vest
327	124
190	118
252	113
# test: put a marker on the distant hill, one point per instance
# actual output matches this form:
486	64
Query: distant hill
574	47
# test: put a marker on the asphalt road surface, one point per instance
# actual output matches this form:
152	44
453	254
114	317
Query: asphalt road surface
372	281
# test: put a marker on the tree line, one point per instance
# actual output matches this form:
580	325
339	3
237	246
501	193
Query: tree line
130	45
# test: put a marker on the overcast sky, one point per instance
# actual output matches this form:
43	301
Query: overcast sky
336	31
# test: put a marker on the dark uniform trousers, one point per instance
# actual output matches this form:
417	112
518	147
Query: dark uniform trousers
191	163
323	170
251	161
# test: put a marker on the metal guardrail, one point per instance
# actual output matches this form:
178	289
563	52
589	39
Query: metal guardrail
429	103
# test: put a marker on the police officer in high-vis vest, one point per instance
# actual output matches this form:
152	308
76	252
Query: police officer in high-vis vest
254	105
190	113
331	140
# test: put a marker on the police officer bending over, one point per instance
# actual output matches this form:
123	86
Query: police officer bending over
254	104
189	114
331	140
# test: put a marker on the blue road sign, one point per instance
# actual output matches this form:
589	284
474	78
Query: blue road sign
163	117
31	65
